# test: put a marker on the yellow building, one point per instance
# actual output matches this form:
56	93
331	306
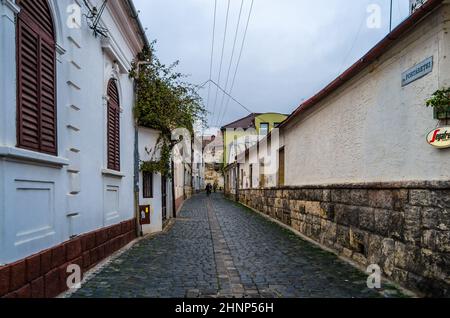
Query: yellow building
253	125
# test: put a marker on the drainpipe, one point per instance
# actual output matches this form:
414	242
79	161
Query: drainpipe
135	15
139	231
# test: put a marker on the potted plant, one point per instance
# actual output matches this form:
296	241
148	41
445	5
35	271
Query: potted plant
440	101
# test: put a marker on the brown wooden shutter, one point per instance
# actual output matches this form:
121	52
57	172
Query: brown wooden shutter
36	78
113	127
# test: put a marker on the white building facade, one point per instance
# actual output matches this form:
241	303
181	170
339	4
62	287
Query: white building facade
66	126
358	169
156	191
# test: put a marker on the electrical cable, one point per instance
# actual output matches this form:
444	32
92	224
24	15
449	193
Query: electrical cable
212	53
239	60
221	59
231	60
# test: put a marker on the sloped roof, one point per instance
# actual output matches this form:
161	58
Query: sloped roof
249	121
245	123
135	16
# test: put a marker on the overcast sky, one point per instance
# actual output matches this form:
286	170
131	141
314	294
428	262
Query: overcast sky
293	48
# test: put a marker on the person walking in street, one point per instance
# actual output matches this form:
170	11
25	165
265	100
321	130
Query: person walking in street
209	189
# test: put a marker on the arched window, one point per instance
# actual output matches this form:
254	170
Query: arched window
36	78
113	126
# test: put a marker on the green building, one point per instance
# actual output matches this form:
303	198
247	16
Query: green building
255	123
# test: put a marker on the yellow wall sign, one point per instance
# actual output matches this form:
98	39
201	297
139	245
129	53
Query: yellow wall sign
145	214
439	138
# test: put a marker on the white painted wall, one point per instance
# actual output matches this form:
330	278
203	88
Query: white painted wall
255	158
373	130
198	172
39	192
179	174
147	142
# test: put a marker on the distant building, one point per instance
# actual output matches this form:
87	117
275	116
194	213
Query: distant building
213	157
198	174
183	174
242	133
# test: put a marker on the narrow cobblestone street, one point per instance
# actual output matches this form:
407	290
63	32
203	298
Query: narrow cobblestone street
217	248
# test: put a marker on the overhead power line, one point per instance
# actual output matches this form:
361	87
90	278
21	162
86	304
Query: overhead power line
212	52
347	56
223	91
231	61
239	60
221	59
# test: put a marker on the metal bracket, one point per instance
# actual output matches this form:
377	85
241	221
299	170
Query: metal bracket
93	19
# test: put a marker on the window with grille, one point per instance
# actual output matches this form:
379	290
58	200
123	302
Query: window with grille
36	78
113	135
147	185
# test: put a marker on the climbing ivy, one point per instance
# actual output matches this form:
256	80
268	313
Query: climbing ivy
164	101
162	165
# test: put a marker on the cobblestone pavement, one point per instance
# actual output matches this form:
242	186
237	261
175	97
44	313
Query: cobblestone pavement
220	249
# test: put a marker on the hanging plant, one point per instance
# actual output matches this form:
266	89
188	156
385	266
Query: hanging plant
162	164
440	101
164	102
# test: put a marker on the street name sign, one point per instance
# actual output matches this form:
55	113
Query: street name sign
418	71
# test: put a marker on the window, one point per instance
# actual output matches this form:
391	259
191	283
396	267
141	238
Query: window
281	167
113	139
36	78
147	185
264	129
251	177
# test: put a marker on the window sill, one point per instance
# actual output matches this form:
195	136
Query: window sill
29	156
112	173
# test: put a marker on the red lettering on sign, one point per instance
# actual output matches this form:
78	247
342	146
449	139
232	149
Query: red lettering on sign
434	136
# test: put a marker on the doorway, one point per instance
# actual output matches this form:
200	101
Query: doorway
164	198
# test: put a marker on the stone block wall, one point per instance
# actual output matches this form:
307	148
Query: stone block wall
402	227
44	275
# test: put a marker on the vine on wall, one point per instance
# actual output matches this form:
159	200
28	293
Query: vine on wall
164	101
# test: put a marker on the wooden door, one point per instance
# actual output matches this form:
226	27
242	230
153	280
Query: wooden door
281	167
164	198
